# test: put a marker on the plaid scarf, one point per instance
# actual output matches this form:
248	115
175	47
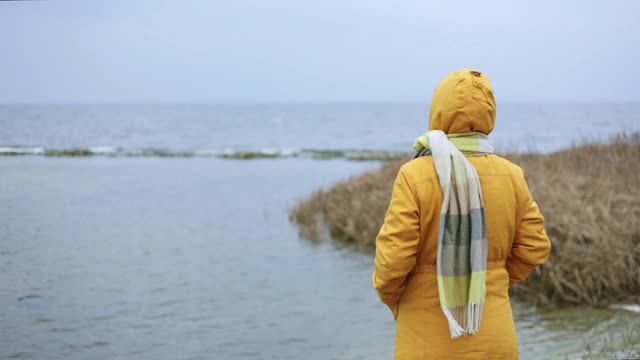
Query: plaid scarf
462	233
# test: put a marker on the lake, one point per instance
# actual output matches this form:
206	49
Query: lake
194	257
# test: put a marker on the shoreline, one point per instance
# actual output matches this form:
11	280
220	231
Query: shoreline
588	193
235	154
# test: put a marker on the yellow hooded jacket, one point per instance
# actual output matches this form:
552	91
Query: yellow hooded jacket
406	246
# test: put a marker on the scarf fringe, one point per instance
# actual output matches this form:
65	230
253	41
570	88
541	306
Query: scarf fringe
464	319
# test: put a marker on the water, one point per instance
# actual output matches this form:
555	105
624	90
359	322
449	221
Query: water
288	129
195	258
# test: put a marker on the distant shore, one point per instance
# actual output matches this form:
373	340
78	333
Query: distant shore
236	154
589	195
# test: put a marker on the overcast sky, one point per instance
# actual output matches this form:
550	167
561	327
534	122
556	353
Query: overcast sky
329	50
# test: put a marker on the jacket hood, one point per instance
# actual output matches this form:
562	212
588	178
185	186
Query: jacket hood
463	102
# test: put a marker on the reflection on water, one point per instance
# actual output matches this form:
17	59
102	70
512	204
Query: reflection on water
195	259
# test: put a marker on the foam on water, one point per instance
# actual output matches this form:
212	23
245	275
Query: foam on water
7	150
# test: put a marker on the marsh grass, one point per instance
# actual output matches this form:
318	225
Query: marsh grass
589	195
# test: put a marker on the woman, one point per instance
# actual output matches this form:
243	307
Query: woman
461	228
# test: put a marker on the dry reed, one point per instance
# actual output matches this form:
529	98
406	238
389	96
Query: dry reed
589	195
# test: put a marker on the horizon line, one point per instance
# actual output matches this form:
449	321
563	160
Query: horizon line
302	102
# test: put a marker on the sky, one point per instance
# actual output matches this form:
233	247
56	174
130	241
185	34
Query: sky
61	51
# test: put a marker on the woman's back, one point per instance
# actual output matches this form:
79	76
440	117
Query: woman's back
407	251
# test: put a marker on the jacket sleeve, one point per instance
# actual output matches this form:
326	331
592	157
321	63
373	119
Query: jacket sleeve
397	243
531	245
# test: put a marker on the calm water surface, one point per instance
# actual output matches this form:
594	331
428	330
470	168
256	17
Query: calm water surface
195	259
287	128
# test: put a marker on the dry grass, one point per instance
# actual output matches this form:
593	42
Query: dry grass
350	212
589	195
